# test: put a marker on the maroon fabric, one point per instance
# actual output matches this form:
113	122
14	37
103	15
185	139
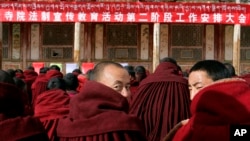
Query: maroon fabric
22	128
50	106
214	109
81	80
20	75
12	102
53	73
12	107
161	101
29	77
41	83
38	78
133	86
245	77
98	113
72	93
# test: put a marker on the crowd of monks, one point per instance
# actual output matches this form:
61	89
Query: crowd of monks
112	102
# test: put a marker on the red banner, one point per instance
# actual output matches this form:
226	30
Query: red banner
132	12
38	66
87	66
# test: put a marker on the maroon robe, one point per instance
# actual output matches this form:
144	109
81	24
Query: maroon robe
50	106
98	113
22	128
245	77
13	126
19	75
81	80
161	101
38	78
29	77
214	109
41	83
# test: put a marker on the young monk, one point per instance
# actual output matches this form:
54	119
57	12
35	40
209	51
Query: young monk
218	102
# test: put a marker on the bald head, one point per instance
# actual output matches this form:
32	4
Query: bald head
97	72
112	75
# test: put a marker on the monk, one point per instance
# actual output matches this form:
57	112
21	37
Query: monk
29	77
19	73
100	111
218	103
52	105
71	84
14	124
77	72
161	100
42	72
133	83
41	84
140	73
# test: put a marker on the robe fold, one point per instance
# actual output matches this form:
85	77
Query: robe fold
214	109
98	113
29	78
14	125
50	106
40	85
22	128
161	101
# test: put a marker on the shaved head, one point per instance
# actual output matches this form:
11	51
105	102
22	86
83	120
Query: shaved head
113	75
97	72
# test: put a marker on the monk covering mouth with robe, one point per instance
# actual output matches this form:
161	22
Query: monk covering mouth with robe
214	109
100	111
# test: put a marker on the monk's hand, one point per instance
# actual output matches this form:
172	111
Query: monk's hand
172	132
184	122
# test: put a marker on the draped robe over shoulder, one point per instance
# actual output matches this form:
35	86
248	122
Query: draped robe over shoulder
161	101
214	109
29	78
98	113
14	125
22	128
40	85
50	106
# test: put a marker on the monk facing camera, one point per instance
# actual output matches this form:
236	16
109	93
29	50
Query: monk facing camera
100	110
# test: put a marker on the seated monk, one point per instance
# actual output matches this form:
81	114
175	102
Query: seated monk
52	105
100	111
14	124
